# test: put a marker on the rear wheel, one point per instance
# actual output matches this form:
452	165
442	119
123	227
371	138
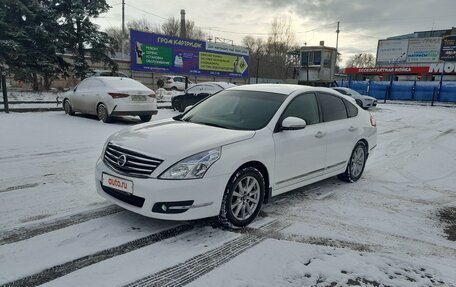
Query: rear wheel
243	197
67	107
356	163
146	118
102	113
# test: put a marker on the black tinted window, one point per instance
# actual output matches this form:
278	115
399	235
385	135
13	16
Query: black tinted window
333	107
351	109
304	107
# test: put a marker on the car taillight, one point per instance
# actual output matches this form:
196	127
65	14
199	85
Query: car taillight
168	82
373	121
151	96
118	95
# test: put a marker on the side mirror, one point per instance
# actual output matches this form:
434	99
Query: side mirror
293	123
187	108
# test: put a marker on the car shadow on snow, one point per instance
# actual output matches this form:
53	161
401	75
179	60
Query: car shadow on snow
127	120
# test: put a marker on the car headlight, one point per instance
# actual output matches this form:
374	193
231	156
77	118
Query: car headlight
194	166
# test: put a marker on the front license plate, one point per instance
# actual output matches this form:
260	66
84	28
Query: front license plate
138	98
117	183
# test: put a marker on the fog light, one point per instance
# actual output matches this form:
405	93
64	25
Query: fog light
164	208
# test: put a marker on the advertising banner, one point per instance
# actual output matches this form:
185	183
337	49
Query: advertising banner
390	51
164	54
424	50
448	50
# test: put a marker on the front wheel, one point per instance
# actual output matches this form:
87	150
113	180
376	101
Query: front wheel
360	103
67	107
145	118
102	113
243	197
356	163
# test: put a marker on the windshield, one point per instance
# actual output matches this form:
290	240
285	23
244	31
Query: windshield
353	92
240	110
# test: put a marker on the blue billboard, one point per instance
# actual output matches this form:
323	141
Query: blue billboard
164	54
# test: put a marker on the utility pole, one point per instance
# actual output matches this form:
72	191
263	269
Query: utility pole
337	39
123	17
257	68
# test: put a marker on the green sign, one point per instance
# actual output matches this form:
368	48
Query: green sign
156	56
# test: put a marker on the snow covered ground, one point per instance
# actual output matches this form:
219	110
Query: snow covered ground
383	230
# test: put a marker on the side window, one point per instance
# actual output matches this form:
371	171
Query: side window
304	107
192	90
351	109
83	86
333	107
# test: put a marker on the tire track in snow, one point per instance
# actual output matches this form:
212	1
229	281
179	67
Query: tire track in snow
61	270
23	233
193	268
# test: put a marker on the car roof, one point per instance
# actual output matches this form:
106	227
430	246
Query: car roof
285	89
112	79
223	85
342	88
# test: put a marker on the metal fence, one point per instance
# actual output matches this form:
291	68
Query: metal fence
405	90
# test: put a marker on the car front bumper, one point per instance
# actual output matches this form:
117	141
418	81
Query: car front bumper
183	199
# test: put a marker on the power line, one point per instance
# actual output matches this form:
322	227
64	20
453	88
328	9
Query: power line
139	9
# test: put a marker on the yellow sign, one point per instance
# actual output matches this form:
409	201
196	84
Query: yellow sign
222	63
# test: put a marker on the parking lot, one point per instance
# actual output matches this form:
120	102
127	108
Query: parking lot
387	229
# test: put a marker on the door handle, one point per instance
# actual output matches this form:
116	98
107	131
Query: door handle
320	134
352	129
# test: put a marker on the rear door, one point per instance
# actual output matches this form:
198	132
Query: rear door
340	131
93	96
300	154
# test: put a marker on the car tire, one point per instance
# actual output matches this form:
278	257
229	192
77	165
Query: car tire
178	106
103	114
67	108
356	164
360	103
174	88
240	206
146	118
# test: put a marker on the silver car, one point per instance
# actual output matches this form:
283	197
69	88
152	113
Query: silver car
363	101
111	96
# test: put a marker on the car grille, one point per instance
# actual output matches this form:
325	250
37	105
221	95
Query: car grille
130	162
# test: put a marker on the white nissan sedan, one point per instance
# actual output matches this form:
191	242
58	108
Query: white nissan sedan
111	96
233	151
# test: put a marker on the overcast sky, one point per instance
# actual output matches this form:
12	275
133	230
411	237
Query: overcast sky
362	22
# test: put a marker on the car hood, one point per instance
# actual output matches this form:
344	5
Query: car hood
170	139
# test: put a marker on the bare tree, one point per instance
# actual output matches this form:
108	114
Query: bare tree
362	60
143	25
280	42
172	28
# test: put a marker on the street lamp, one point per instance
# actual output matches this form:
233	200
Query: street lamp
393	74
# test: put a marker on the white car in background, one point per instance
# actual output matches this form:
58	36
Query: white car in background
175	82
363	101
232	152
111	96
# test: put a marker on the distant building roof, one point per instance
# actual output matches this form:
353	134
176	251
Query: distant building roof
425	34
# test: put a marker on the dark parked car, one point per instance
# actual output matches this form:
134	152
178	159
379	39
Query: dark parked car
196	93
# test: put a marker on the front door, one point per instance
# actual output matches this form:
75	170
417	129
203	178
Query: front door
299	154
